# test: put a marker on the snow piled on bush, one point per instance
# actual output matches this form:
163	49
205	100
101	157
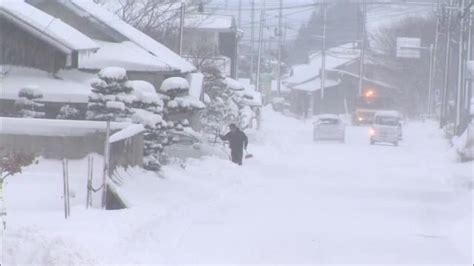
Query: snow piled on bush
113	73
144	92
174	83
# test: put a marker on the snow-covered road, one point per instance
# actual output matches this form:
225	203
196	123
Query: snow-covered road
296	202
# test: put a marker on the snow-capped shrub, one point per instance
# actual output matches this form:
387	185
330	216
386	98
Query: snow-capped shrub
115	105
27	104
174	86
111	97
113	74
68	112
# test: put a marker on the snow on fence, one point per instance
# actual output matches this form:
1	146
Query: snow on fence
126	147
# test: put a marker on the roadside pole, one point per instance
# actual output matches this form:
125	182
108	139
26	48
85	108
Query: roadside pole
430	86
323	59
181	26
460	81
106	166
447	63
362	47
260	48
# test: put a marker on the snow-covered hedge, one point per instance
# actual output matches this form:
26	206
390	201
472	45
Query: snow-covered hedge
174	86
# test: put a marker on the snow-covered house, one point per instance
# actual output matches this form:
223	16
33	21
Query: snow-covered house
120	44
342	82
34	47
32	38
212	38
64	43
305	80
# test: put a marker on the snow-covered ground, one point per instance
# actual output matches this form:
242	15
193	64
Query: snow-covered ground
295	202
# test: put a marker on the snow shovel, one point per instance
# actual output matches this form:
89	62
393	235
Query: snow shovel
248	155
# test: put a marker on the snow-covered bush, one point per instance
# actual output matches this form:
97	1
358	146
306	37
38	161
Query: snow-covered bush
27	104
175	91
68	112
174	87
111	97
221	107
149	111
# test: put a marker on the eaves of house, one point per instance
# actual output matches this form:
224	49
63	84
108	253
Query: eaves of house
45	27
162	55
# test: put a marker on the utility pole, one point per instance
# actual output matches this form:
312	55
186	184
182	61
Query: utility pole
362	46
434	57
239	16
431	75
461	58
280	44
468	84
252	42
444	102
323	58
181	27
260	47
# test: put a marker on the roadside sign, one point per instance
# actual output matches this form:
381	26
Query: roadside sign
408	47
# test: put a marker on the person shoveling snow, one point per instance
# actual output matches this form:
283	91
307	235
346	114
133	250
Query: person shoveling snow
238	141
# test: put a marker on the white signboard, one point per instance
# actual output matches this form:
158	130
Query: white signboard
408	47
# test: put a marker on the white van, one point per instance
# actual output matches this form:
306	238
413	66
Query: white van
386	128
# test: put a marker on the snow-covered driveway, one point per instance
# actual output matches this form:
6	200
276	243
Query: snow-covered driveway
295	202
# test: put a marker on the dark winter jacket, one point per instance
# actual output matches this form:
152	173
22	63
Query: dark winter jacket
237	139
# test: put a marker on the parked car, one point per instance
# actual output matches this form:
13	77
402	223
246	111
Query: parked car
387	128
329	127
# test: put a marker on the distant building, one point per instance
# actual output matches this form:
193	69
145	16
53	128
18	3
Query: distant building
212	39
341	88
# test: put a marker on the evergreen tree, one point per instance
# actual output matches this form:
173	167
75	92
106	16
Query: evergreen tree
149	111
27	104
68	112
221	107
111	98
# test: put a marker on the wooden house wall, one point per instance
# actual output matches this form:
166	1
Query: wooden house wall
21	48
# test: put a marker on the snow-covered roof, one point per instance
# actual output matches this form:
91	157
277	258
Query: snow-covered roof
126	54
126	133
335	57
53	89
46	27
315	85
210	22
54	127
161	52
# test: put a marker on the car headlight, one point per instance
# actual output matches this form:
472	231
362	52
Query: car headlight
372	131
360	118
